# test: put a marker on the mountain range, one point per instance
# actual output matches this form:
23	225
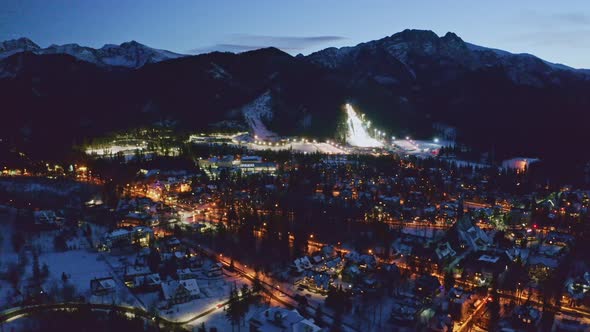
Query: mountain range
130	54
513	104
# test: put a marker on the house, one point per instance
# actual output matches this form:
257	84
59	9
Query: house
175	292
45	218
301	264
577	288
401	248
444	251
132	272
483	267
471	235
516	254
123	237
102	286
186	273
173	243
540	267
148	282
215	270
404	310
277	319
318	282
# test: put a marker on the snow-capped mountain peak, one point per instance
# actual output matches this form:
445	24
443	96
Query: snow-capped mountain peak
128	54
10	47
421	51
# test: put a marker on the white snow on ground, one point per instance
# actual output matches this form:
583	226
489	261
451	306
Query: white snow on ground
213	292
7	254
218	319
256	111
81	266
308	147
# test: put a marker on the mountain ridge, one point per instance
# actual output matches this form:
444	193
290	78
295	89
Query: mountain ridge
406	82
131	54
9	47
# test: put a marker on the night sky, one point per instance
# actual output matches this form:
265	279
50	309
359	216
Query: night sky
557	31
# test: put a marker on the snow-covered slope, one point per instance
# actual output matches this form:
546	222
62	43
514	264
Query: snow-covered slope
255	112
130	54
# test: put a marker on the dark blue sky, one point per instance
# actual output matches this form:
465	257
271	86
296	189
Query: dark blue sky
558	31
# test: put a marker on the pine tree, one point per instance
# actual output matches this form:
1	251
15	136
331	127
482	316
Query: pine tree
256	285
244	304
36	270
154	260
233	312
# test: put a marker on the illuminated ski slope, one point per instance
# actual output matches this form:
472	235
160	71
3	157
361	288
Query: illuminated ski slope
357	135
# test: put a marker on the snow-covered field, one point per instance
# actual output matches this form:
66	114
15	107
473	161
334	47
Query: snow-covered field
81	264
308	147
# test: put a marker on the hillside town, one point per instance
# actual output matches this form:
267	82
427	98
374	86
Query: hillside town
287	241
294	166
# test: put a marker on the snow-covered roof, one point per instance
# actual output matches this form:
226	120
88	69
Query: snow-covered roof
191	285
277	319
170	288
118	232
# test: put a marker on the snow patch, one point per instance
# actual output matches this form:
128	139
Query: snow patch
218	73
255	112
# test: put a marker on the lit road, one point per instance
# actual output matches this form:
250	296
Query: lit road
19	312
469	321
270	286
